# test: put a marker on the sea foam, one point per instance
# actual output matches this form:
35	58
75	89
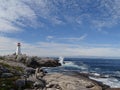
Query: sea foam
112	82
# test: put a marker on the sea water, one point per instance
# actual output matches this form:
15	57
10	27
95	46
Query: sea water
103	70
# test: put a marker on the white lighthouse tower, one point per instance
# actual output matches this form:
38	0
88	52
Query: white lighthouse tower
18	50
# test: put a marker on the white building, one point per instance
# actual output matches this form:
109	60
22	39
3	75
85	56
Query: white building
18	49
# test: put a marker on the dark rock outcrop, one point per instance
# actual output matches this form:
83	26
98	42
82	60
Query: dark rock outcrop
31	62
20	83
40	84
49	63
7	75
3	69
29	71
35	62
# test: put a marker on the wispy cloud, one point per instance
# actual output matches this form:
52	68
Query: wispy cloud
75	38
50	37
98	13
13	14
8	46
59	49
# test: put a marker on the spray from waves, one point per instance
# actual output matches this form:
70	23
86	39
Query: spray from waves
61	60
72	65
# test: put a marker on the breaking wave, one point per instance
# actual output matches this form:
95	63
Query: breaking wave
73	65
110	81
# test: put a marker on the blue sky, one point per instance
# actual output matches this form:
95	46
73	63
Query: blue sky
61	27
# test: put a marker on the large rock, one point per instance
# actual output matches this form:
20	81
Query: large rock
35	62
21	58
49	63
65	82
7	75
20	83
30	71
40	84
32	62
3	69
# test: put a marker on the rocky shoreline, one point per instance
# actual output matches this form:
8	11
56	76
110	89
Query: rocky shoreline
21	73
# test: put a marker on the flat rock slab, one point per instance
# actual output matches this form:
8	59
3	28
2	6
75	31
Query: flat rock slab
59	81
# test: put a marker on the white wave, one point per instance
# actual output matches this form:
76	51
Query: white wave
61	60
117	73
71	64
95	74
112	82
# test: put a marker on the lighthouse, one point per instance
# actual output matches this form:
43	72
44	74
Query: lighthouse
18	49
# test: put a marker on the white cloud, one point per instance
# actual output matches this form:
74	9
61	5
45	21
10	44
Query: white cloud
6	26
57	21
75	38
8	46
13	13
109	16
50	37
98	13
59	49
41	7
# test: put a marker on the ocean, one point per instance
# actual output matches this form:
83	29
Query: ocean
103	70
